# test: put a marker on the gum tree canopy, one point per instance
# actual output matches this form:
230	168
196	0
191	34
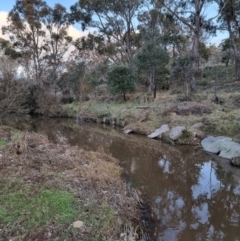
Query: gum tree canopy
38	33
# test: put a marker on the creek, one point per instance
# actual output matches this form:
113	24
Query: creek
194	195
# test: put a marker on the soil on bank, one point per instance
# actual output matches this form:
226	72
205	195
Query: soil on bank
60	192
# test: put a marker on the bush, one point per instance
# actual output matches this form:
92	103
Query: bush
120	81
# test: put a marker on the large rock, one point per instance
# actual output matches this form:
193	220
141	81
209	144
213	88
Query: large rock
158	132
176	132
214	144
230	150
221	145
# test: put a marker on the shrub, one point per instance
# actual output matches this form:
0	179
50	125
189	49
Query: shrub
120	81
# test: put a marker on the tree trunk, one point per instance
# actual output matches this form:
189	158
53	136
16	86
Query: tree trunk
124	97
154	84
154	92
235	50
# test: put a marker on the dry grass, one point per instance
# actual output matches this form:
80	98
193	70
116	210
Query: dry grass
94	179
143	115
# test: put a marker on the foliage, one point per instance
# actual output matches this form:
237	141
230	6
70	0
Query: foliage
98	75
151	62
70	80
120	80
182	70
114	20
227	54
38	36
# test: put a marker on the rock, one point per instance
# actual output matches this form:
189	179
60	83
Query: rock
78	224
196	126
158	132
230	150
128	131
197	134
221	145
167	139
176	132
235	161
213	144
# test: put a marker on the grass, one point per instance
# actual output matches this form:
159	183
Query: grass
26	207
143	116
44	192
22	203
2	143
101	217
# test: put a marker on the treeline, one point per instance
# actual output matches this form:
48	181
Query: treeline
131	44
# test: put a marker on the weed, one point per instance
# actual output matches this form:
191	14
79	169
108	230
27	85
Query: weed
186	134
15	135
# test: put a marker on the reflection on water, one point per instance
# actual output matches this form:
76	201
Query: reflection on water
193	196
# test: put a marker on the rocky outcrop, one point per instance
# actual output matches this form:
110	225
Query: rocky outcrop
158	132
222	146
176	132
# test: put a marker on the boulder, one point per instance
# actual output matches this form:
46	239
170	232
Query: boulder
176	132
221	145
230	150
158	132
213	144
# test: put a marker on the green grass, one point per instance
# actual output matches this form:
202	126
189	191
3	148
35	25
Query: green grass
2	143
33	208
27	207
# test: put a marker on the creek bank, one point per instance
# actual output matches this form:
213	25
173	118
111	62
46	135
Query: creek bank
176	135
88	184
222	146
189	122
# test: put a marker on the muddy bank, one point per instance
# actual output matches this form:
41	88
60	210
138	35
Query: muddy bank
56	191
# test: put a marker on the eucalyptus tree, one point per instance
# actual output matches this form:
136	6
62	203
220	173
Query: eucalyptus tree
152	62
192	15
115	23
229	20
227	53
160	26
38	36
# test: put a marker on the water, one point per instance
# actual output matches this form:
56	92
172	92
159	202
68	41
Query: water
194	196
